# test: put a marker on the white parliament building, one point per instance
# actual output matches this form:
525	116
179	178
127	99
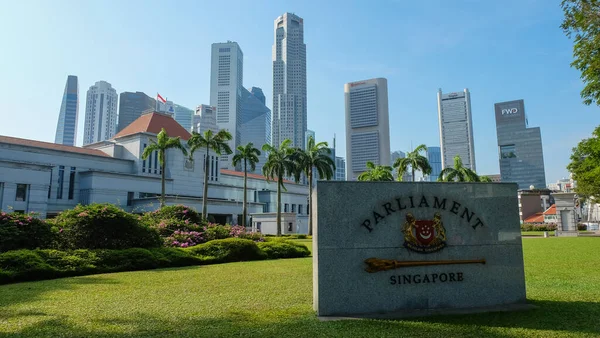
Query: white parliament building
47	178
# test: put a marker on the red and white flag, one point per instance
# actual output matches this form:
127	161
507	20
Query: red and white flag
160	98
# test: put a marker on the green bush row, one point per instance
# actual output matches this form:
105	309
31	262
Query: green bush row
538	227
39	264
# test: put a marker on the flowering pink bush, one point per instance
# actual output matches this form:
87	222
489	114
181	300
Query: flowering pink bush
22	231
184	239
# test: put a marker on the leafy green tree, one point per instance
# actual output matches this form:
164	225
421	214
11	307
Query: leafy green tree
280	163
316	156
249	155
376	173
582	22
585	166
209	141
458	173
413	160
161	145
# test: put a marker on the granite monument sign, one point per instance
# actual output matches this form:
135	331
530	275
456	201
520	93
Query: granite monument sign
387	247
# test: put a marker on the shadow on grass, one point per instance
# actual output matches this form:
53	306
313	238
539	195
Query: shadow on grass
550	315
24	292
561	317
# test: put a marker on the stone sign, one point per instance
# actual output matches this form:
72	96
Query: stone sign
392	247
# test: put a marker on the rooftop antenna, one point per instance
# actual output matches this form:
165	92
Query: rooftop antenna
334	141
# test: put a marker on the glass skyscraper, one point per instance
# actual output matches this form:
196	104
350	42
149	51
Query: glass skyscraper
434	156
183	116
66	128
456	128
131	106
255	122
519	148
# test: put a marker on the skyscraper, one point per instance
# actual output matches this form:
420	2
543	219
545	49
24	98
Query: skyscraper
66	128
100	113
340	169
205	118
255	122
434	156
367	125
407	176
520	148
183	116
226	78
289	81
131	106
308	134
456	128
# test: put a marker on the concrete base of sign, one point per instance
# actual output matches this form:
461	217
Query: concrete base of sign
433	312
567	233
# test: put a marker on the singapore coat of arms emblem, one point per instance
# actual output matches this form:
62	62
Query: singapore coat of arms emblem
424	236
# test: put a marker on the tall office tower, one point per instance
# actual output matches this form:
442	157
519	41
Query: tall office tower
289	81
100	113
226	77
131	106
255	122
205	118
434	156
520	147
456	128
308	134
183	116
340	169
167	107
66	128
367	125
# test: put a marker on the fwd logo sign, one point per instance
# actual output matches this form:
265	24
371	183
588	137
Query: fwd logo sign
509	111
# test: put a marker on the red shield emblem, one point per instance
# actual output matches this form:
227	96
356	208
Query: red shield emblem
425	231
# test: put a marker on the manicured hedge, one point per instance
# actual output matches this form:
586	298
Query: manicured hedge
283	249
29	265
538	227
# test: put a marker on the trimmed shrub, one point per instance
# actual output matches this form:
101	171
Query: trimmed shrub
103	226
581	227
214	231
73	261
166	227
302	236
184	239
229	250
538	227
176	212
24	265
21	231
283	249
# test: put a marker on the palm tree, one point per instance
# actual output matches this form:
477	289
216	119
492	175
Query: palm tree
162	143
249	155
459	173
376	173
415	161
485	179
280	163
209	141
316	156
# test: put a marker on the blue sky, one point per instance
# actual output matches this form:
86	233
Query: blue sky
500	50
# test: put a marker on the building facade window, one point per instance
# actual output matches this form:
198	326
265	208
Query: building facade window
290	226
508	151
72	183
61	181
21	194
130	196
258	225
286	208
300	209
49	186
293	208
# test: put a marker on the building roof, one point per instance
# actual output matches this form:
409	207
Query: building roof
51	146
551	210
153	123
250	175
537	218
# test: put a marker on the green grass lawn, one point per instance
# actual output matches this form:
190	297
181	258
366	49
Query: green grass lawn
536	233
274	299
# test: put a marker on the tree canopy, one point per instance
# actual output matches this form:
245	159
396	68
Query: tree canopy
585	166
582	23
415	161
376	173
